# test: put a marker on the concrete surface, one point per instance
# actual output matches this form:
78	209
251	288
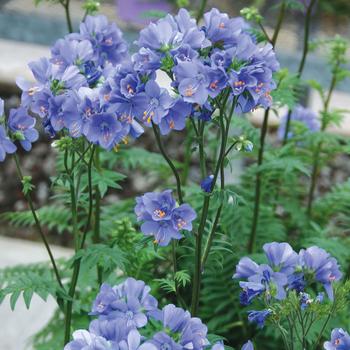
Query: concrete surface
19	325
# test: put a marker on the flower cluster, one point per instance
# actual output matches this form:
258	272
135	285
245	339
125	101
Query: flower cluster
19	127
286	271
161	216
68	93
305	117
129	319
91	87
203	62
340	340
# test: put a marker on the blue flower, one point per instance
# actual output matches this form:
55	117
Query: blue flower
261	279
305	300
158	105
246	268
301	115
248	346
172	32
146	61
84	340
163	231
6	145
1	107
218	346
67	52
106	39
193	81
258	317
207	184
161	341
176	117
340	340
281	257
222	30
133	342
128	305
22	125
162	219
250	290
102	130
115	330
318	265
191	331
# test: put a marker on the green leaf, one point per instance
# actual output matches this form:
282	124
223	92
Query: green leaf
105	179
13	299
27	296
102	255
167	285
182	277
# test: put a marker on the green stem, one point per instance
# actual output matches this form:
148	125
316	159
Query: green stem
97	225
205	210
77	263
302	62
187	160
279	23
179	194
252	239
65	5
201	10
201	151
198	250
325	325
258	179
211	235
38	225
169	161
316	161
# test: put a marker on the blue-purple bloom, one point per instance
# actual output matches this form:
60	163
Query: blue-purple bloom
207	184
176	117
258	317
281	257
6	145
1	107
248	346
84	340
340	340
116	329
302	115
319	266
22	125
191	331
162	218
129	301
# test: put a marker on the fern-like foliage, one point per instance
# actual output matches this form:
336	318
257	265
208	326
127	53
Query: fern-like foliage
26	281
54	217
